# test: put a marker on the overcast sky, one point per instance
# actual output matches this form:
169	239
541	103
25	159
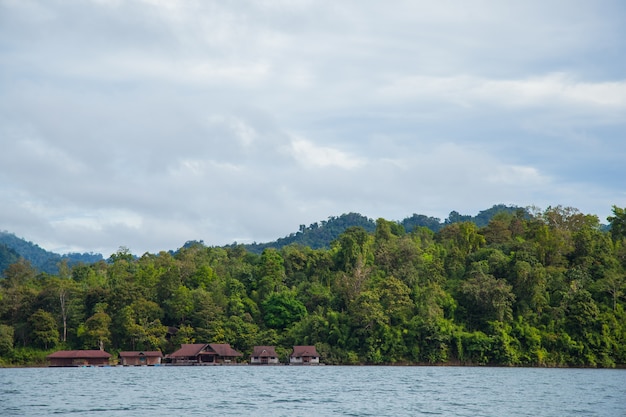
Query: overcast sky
148	123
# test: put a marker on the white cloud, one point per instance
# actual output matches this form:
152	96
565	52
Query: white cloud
538	92
310	155
97	221
149	123
517	175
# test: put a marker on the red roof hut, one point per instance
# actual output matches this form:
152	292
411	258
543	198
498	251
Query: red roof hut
262	355
79	358
304	355
141	358
204	353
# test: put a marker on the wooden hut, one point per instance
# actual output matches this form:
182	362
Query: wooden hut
203	353
141	358
79	358
264	355
304	355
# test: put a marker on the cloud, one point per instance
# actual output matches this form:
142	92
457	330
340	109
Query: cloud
149	123
310	155
552	90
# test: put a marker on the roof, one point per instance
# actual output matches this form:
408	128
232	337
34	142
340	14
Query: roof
264	351
150	353
188	349
224	350
194	349
79	354
304	351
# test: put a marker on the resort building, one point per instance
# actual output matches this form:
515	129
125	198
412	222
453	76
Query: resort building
203	353
79	358
264	355
304	355
141	358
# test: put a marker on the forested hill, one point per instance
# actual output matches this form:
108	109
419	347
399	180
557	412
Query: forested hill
320	235
543	289
317	235
12	248
8	256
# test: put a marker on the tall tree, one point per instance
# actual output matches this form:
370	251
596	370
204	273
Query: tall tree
44	329
618	223
96	331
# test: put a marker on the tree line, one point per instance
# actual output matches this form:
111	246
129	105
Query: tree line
529	288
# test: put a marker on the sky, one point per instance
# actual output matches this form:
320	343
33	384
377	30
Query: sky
148	123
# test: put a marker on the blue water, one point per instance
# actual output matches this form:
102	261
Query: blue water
312	391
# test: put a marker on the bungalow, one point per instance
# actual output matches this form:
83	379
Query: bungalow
203	353
141	358
263	355
304	355
79	358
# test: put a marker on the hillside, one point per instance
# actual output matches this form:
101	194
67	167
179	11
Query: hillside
8	256
320	235
545	289
13	247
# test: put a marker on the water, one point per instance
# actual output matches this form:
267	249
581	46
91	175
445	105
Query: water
312	391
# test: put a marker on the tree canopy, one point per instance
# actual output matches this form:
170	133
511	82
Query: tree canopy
546	288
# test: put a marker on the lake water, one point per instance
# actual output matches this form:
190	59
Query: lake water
312	391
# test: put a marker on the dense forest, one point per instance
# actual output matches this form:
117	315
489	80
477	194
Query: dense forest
320	235
527	288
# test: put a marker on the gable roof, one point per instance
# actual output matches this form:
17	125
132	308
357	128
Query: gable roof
264	351
194	349
188	349
304	351
150	353
79	354
224	350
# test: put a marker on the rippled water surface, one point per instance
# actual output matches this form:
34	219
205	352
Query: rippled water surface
312	391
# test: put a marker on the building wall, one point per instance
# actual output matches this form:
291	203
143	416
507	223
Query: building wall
79	361
256	360
137	360
299	360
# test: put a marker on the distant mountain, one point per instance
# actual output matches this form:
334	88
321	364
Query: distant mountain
320	235
12	248
8	256
316	236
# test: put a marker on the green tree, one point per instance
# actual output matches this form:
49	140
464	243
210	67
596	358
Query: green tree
60	296
96	332
618	223
18	274
6	339
395	298
615	284
44	330
353	249
282	309
272	274
180	305
485	297
141	323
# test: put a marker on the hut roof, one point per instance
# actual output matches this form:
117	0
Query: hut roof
148	353
188	349
194	349
79	354
224	350
309	351
263	351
